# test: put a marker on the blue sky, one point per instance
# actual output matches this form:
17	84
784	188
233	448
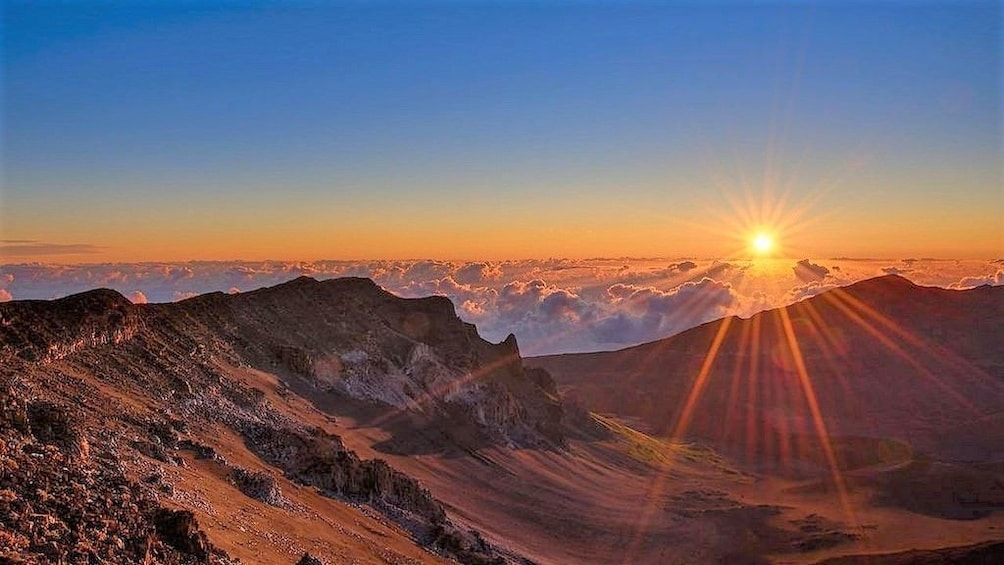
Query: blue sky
124	122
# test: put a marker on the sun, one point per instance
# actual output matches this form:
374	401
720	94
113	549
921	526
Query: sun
763	243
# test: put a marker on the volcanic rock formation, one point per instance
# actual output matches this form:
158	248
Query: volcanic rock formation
170	370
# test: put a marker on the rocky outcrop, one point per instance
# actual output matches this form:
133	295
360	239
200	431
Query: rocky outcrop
180	530
542	379
52	424
352	337
318	459
309	559
47	331
258	485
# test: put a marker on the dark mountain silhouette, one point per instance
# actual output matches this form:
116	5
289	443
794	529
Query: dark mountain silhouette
882	358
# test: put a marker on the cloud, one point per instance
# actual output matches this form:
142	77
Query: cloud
137	297
809	290
5	296
896	271
474	273
537	300
547	317
995	279
717	269
645	313
807	271
426	270
177	273
29	248
472	310
683	266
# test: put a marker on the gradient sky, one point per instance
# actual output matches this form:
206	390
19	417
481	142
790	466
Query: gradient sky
307	130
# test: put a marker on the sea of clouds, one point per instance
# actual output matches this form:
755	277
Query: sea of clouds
553	305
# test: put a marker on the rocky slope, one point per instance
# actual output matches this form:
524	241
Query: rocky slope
66	498
155	382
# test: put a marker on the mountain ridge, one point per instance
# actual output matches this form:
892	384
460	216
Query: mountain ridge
929	346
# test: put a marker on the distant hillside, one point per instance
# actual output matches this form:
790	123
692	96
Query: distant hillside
879	359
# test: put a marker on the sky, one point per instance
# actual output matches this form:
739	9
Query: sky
490	131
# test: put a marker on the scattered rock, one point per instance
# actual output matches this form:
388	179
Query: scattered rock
57	507
258	485
309	559
53	424
179	529
202	451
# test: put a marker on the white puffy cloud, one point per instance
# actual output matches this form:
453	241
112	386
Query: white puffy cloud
474	273
427	270
995	279
638	314
539	303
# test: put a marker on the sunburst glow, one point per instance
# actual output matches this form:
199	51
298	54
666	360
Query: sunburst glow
763	243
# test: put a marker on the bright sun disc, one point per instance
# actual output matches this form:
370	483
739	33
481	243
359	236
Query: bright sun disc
762	243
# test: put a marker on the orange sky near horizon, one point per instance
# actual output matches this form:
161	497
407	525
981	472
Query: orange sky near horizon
151	234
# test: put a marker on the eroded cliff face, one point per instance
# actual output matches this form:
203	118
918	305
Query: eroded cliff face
352	337
345	335
47	331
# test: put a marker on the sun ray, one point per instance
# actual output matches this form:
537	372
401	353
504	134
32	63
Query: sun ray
657	485
916	341
753	384
735	386
817	416
838	299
